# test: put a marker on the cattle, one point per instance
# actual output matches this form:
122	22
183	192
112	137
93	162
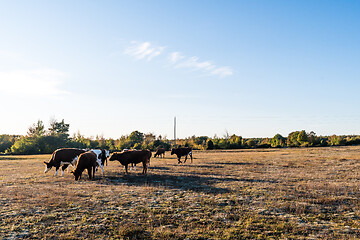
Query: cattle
185	151
127	157
87	160
102	156
133	165
63	158
160	152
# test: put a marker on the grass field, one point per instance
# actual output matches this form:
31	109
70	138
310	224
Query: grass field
307	193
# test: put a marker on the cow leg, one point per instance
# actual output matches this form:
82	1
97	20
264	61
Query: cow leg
144	167
179	161
89	172
93	168
134	166
102	170
65	166
56	171
126	169
185	159
191	157
101	166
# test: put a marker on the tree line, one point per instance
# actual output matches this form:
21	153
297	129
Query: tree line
39	140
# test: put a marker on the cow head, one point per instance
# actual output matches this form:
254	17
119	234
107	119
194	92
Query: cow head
113	157
48	166
76	174
116	156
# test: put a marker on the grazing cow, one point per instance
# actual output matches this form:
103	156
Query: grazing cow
185	151
160	152
102	156
128	157
87	160
63	157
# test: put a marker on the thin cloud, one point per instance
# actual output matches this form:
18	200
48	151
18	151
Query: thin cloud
205	66
38	82
147	51
144	50
175	57
194	63
222	71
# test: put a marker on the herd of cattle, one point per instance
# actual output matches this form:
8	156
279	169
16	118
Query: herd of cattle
91	160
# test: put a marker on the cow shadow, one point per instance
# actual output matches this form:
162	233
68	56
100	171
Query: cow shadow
196	166
237	163
181	182
195	183
160	168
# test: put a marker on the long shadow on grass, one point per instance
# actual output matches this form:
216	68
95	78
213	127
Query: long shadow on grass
237	163
182	182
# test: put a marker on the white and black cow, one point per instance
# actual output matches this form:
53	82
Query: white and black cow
102	156
63	158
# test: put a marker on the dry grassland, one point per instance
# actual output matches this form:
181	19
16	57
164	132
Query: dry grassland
308	193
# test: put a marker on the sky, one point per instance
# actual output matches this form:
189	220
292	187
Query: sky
250	68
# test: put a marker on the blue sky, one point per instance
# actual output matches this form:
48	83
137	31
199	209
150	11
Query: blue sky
251	68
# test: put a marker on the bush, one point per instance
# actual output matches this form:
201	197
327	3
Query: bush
209	145
278	141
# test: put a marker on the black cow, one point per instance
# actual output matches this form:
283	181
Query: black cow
63	157
128	157
87	160
160	152
185	151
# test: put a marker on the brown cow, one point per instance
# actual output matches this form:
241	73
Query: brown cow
160	152
63	157
87	160
128	157
185	151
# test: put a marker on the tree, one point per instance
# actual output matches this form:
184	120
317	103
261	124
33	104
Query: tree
209	145
302	138
37	129
25	145
277	141
136	137
59	128
200	140
251	143
6	141
292	139
235	142
336	140
223	144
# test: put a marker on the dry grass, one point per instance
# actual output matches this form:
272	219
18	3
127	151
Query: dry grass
310	193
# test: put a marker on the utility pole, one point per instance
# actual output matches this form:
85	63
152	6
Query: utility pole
174	132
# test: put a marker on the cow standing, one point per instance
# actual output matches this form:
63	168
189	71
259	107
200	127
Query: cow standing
185	151
87	160
101	155
128	157
63	158
160	152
